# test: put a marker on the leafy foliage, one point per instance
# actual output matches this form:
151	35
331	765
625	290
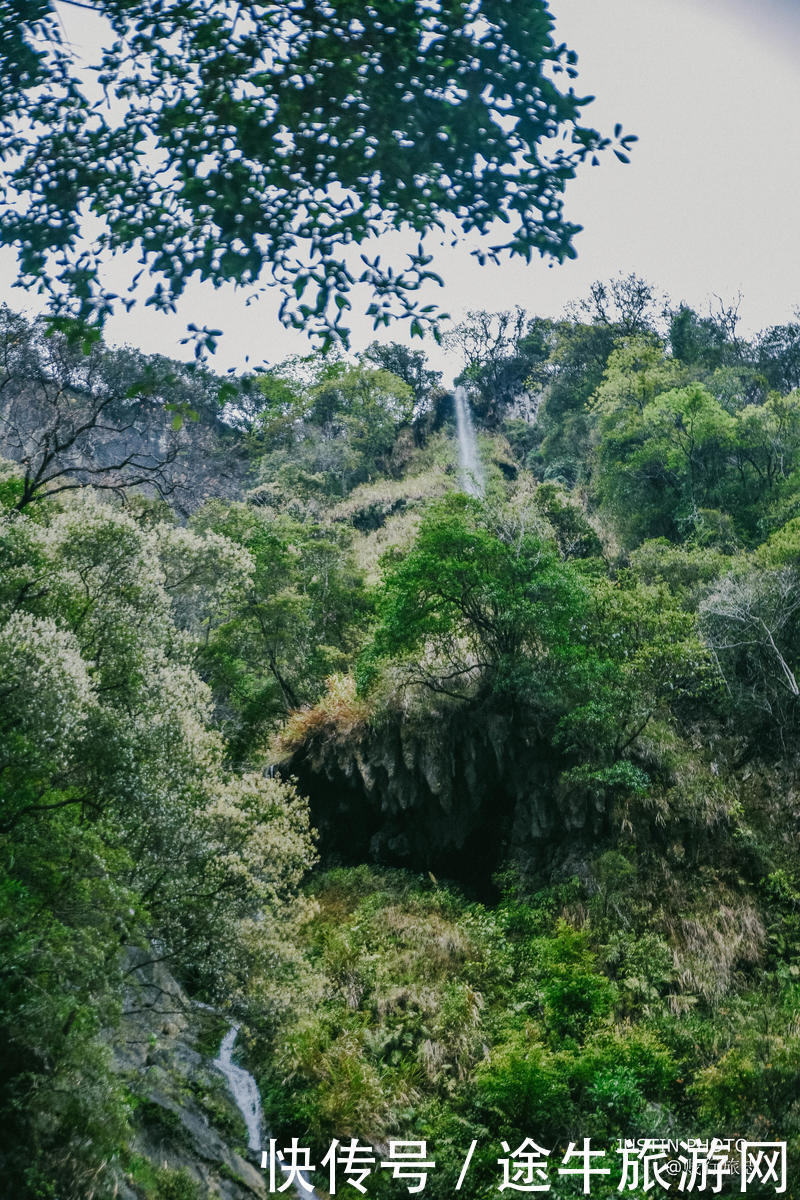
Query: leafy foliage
476	601
323	430
425	1014
577	696
254	143
290	624
121	826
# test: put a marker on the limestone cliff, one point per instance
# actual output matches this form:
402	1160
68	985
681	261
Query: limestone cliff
454	787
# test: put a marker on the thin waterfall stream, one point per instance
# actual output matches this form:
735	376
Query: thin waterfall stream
472	478
244	1090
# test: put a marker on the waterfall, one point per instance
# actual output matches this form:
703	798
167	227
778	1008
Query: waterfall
244	1089
472	480
248	1100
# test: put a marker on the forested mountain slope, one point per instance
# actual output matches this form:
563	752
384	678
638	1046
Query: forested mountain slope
479	812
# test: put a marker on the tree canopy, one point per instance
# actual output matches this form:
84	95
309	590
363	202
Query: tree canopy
253	142
575	697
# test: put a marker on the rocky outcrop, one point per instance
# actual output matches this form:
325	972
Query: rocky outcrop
75	413
189	1137
455	788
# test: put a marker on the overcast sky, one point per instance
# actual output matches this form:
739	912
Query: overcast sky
709	204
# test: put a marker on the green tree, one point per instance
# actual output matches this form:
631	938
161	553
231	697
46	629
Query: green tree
659	466
778	351
484	610
327	426
578	357
409	365
767	446
676	461
294	621
255	141
696	340
637	372
466	606
501	352
123	833
626	303
620	310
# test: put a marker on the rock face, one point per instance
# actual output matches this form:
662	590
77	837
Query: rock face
190	1138
455	789
69	426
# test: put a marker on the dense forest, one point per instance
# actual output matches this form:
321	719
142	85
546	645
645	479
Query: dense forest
479	812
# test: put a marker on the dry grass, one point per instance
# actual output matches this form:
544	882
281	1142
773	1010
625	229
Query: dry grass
339	713
709	946
398	531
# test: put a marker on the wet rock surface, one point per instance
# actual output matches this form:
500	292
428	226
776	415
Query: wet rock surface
187	1126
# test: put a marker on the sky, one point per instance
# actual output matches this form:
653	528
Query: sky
707	207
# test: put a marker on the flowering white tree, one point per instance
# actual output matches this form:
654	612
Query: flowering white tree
750	621
121	824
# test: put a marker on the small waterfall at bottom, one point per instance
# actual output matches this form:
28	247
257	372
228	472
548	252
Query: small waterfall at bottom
472	479
244	1089
248	1100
